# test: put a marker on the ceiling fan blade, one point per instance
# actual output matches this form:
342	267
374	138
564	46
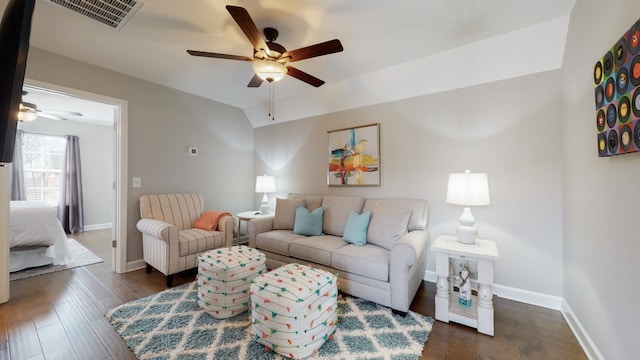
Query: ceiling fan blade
303	76
246	24
256	81
218	56
327	47
61	112
50	116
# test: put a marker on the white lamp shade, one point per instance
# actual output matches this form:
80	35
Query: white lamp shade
468	189
265	184
269	70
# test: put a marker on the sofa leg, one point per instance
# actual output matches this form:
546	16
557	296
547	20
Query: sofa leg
148	268
169	280
398	312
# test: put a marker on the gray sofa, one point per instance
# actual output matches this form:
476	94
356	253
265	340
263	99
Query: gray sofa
388	269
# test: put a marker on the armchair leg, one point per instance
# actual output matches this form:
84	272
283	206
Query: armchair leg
148	268
398	312
169	280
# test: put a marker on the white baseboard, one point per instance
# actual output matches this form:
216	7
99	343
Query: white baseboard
545	301
515	294
584	339
136	265
97	227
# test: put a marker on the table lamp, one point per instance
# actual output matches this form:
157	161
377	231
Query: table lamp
265	184
468	189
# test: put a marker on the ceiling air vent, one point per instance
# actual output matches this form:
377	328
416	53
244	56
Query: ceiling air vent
113	13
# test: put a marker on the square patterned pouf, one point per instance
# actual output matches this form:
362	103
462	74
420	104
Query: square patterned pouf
294	309
224	277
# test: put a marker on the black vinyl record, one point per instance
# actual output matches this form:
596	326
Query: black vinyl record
634	71
622	80
599	96
612	115
620	52
636	134
601	120
633	38
602	144
624	111
610	89
635	102
612	141
608	63
597	72
626	138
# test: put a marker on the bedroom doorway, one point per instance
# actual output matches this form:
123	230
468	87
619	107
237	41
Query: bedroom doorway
116	121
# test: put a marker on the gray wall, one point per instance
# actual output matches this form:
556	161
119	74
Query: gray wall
96	154
601	239
509	129
163	123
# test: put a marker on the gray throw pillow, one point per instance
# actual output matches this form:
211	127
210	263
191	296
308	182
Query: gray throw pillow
387	225
286	213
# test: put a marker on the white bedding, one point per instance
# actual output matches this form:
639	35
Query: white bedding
35	224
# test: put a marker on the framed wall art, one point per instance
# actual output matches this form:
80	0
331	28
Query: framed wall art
354	156
617	95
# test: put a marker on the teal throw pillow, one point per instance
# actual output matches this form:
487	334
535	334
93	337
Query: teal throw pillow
355	231
308	222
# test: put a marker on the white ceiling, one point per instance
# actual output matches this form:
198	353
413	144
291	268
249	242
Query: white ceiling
387	44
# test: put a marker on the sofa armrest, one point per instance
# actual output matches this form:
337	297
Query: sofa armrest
226	225
407	264
157	229
257	226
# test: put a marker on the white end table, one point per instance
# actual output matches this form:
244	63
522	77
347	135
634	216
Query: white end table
249	215
480	314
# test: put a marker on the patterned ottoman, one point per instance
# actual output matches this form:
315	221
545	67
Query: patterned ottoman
294	309
224	277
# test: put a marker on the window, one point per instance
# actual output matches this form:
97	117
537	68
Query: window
43	157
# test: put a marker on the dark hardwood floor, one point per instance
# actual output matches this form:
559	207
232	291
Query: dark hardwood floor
61	316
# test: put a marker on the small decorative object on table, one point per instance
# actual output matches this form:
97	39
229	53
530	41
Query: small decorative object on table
224	277
294	309
464	289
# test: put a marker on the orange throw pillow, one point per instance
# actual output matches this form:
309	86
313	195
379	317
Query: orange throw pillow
209	219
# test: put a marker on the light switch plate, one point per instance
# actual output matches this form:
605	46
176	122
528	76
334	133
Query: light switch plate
137	182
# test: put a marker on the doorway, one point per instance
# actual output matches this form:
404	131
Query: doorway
119	125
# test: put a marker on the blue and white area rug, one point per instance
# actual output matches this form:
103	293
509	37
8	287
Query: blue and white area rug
171	326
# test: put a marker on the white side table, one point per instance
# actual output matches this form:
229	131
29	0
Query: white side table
249	215
480	314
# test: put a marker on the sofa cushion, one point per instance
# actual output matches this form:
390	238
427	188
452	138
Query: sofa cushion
387	225
355	231
308	222
317	249
419	209
369	260
276	241
285	213
336	212
313	201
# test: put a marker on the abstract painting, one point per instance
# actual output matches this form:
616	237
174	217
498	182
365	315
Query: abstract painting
354	156
616	77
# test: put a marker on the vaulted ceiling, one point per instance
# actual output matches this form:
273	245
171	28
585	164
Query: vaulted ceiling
392	49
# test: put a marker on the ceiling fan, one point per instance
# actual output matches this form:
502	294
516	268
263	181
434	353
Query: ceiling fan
29	112
269	58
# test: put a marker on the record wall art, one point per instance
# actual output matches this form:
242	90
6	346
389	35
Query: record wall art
616	77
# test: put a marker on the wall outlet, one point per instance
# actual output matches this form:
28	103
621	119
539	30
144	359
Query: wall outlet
193	151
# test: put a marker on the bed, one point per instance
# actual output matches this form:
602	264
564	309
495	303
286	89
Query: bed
36	237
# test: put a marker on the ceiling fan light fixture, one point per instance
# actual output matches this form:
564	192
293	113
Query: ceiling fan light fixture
27	113
269	70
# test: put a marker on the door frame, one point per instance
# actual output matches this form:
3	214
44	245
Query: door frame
120	127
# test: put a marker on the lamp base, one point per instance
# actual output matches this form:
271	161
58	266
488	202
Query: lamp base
467	234
264	206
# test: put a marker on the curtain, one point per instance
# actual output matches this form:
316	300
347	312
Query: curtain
18	191
70	208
